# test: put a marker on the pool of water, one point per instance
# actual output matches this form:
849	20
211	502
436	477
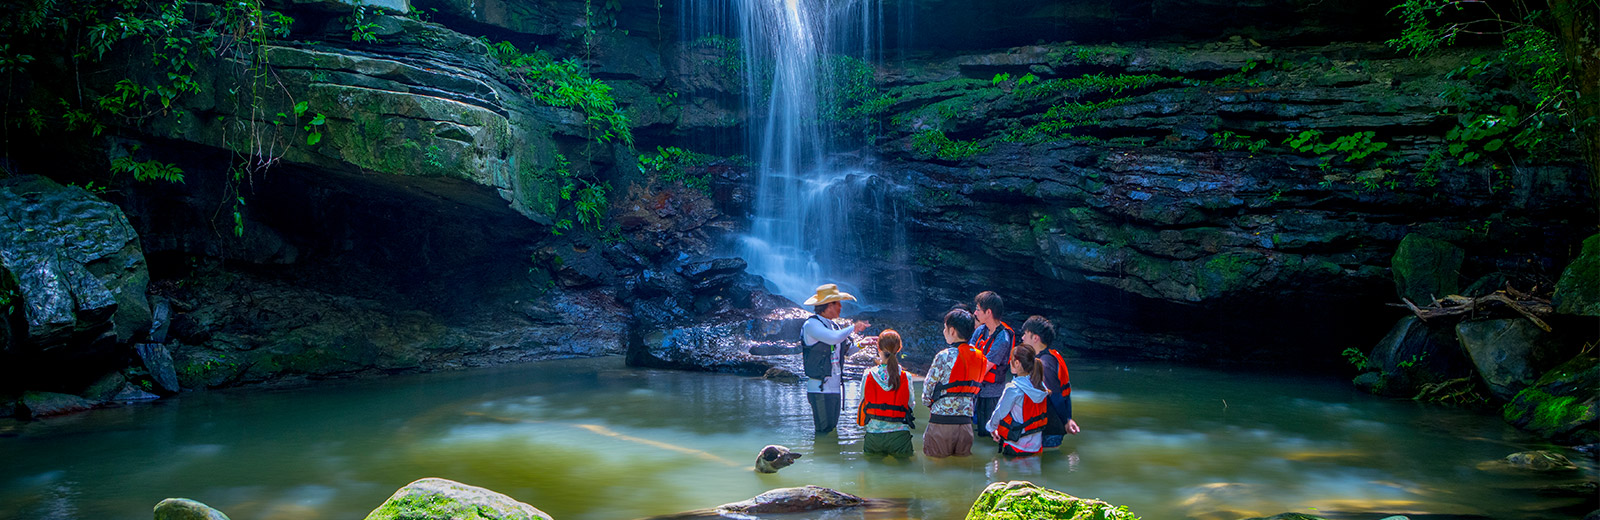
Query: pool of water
593	439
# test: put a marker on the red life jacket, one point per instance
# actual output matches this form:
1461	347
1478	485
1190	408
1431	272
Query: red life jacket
964	375
884	405
1061	373
1034	417
996	372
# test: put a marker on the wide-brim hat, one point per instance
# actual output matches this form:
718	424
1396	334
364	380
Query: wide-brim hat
828	294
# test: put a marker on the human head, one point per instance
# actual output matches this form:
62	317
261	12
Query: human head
989	307
958	325
828	294
1038	330
889	354
1025	362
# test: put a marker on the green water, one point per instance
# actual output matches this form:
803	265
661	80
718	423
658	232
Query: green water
592	439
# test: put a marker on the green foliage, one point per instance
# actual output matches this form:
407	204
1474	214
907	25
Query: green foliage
1228	140
1355	148
146	171
1357	358
675	164
933	143
1413	362
1091	84
846	96
1422	32
363	25
565	83
1060	118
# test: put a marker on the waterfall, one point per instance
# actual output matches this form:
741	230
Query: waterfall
815	215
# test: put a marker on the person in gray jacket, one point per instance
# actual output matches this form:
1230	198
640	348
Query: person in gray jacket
825	345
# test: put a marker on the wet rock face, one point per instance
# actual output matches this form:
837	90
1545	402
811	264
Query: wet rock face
1510	354
1578	290
1562	404
72	266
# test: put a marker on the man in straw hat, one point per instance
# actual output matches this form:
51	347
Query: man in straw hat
824	346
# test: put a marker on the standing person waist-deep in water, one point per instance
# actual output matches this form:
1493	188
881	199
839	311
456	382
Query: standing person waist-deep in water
1020	417
824	347
949	389
995	339
1038	334
885	411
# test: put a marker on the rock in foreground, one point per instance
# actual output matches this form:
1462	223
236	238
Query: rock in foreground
185	509
792	500
1021	500
441	499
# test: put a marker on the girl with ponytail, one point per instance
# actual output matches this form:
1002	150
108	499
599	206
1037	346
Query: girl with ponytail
1021	414
885	412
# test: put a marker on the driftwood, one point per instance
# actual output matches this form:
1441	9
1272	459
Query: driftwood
1528	305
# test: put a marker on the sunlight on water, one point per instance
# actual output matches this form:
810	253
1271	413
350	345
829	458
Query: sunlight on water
591	440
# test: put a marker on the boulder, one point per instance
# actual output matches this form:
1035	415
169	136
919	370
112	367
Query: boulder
1510	354
792	500
1578	290
1561	405
105	388
1415	353
1021	500
1426	268
75	261
781	375
131	393
158	361
441	499
45	404
186	509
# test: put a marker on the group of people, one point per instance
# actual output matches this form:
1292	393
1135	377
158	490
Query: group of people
990	381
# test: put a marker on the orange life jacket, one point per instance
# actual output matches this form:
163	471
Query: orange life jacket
884	405
996	372
1034	417
1061	373
964	375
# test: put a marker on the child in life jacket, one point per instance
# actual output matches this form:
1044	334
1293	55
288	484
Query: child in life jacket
1021	414
885	412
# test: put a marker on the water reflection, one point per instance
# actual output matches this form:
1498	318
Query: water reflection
590	439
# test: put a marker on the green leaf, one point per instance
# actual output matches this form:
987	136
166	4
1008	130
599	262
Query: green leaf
300	108
313	138
1493	145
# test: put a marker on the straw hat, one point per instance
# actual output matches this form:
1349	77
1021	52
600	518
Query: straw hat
828	294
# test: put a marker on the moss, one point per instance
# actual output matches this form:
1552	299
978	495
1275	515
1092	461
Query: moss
1549	413
933	143
1025	501
1225	273
431	507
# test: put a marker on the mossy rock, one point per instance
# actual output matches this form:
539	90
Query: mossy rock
1561	405
1426	268
1021	500
441	499
186	509
1578	291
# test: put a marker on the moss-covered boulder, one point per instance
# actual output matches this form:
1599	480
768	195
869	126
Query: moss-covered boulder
441	499
186	509
1021	500
1561	405
1426	268
1578	291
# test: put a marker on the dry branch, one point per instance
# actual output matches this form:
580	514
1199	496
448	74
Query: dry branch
1529	306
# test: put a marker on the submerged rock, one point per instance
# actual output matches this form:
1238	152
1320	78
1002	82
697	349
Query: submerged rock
793	500
44	404
159	362
186	509
1537	461
774	457
1021	499
441	499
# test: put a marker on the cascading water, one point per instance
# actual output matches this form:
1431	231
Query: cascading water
816	218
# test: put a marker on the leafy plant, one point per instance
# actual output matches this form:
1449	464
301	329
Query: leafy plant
363	26
565	83
933	143
1228	140
1357	358
146	171
673	164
